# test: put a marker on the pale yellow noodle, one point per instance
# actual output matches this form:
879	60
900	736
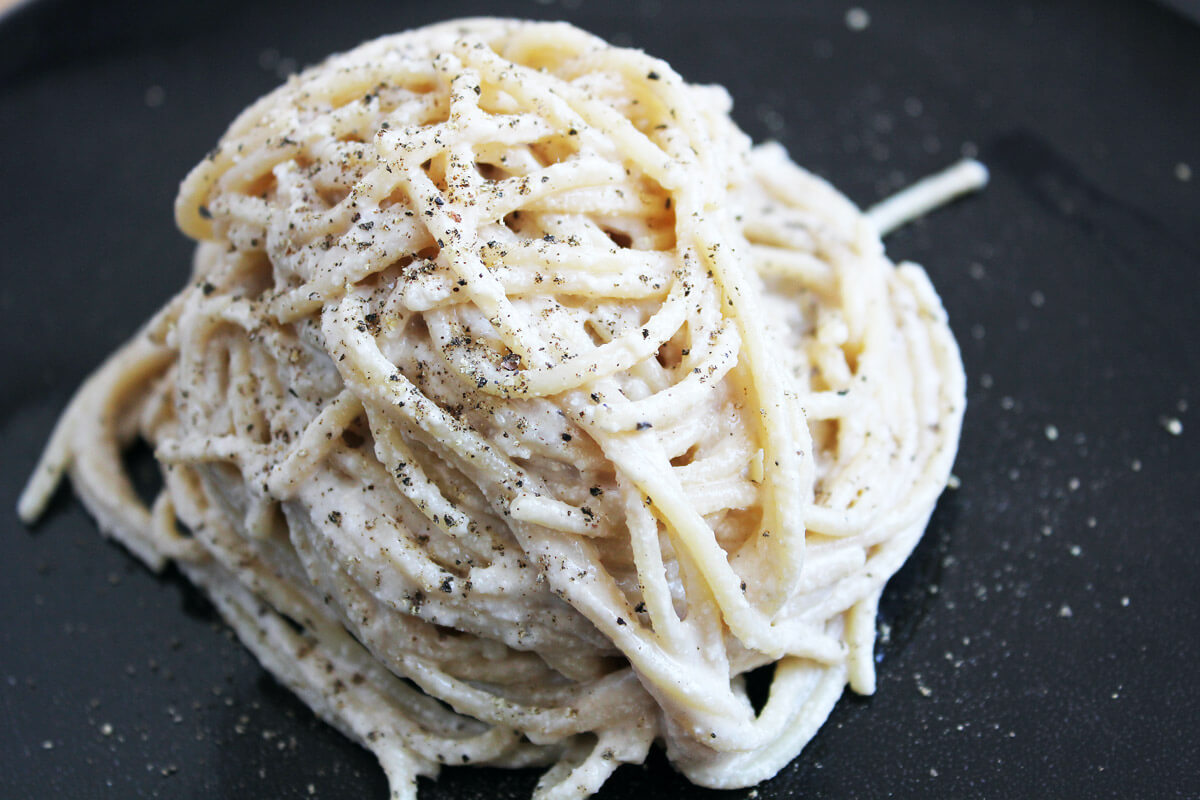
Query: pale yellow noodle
518	407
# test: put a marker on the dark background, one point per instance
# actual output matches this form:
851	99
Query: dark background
1045	636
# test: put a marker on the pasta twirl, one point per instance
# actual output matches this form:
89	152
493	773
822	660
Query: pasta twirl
518	407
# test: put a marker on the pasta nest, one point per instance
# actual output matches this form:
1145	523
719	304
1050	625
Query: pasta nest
519	407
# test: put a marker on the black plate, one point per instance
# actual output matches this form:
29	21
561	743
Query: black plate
1046	634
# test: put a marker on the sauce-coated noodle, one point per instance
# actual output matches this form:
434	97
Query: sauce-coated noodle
518	407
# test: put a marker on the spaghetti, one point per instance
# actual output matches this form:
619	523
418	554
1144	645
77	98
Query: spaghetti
518	407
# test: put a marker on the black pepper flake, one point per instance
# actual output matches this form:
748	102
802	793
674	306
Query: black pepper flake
204	212
335	517
447	586
641	426
566	437
596	491
366	226
207	288
439	201
640	607
620	621
572	132
652	76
